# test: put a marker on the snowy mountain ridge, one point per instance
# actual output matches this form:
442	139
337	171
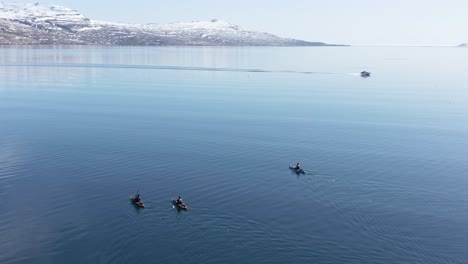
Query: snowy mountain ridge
20	11
51	24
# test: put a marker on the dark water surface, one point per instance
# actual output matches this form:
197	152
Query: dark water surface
83	128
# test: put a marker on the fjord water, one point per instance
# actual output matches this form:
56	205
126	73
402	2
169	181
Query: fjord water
83	128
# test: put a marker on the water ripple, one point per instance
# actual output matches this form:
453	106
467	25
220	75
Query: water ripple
153	67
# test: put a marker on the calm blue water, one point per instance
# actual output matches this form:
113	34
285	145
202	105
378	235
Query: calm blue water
83	128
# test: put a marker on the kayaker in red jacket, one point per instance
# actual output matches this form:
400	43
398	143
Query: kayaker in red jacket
298	166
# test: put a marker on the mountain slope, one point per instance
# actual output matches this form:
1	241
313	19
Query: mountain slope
50	24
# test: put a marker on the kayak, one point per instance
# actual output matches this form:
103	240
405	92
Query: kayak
139	204
179	206
298	171
365	74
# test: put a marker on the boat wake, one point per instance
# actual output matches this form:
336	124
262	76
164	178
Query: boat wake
154	67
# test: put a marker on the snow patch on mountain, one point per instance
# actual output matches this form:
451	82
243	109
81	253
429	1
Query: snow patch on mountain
52	24
19	11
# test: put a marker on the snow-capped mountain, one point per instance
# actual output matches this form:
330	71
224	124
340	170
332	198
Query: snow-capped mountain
51	24
463	45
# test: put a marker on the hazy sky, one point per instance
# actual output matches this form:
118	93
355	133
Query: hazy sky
361	22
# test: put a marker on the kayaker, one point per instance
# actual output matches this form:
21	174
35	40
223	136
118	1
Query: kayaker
137	198
179	200
298	166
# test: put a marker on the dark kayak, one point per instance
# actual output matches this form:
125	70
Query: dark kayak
139	204
179	206
298	171
365	74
